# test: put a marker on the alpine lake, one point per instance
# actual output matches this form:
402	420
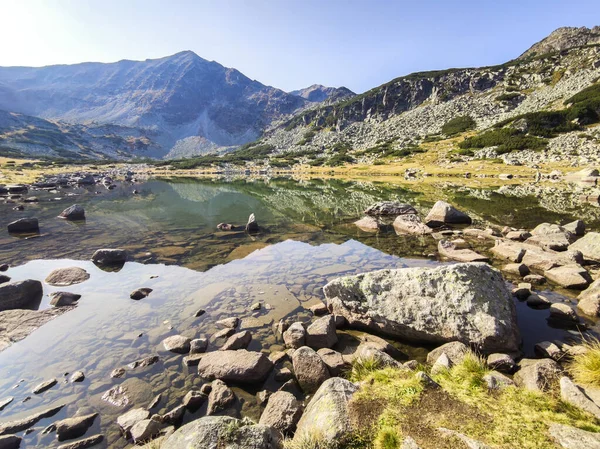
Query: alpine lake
307	237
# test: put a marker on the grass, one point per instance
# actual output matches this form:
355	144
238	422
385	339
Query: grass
458	125
392	403
505	139
585	368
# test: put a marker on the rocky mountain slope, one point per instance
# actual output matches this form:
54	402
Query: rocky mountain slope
186	100
521	111
318	93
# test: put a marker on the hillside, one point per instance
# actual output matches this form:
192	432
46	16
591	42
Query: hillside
318	93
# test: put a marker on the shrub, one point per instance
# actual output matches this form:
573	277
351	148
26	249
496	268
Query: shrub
458	125
505	139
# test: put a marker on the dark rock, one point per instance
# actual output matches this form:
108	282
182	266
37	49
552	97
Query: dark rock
10	442
5	402
193	400
252	225
140	293
74	212
443	213
24	225
46	385
110	256
70	428
4	279
62	299
225	227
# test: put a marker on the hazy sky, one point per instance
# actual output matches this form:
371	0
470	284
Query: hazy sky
284	43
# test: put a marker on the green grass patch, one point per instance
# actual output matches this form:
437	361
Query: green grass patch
506	139
458	125
585	368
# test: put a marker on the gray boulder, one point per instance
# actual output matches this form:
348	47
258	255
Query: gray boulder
443	213
24	225
235	366
501	362
463	302
569	276
241	340
571	393
220	398
20	295
132	417
537	375
327	412
589	299
63	277
283	411
333	359
321	333
107	256
177	343
449	250
410	224
455	351
295	336
74	212
589	245
572	438
310	370
551	237
223	432
198	345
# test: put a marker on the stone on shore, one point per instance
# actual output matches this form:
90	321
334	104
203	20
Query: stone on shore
177	343
563	312
74	212
321	333
63	277
410	224
455	351
24	225
569	276
295	336
235	366
283	411
309	369
589	299
4	279
20	295
10	442
370	224
462	302
198	345
221	397
4	402
589	245
537	375
241	340
576	227
144	430
193	400
501	362
132	417
573	438
450	250
334	361
443	213
571	393
228	323
107	256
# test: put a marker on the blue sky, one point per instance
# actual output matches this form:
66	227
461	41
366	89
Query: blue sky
284	43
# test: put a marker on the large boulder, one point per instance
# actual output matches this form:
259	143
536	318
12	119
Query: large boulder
589	245
569	276
283	411
443	213
74	212
20	295
223	432
463	302
310	370
551	236
24	225
571	393
573	438
235	366
321	333
390	208
63	277
108	256
538	375
589	299
327	412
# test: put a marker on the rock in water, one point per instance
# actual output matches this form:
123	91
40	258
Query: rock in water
24	225
390	208
223	432
140	293
235	366
70	428
110	256
443	213
450	250
177	343
19	295
62	277
466	302
61	299
252	225
10	442
410	224
74	212
327	412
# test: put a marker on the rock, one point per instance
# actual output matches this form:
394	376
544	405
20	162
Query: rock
110	256
368	351
576	227
390	208
132	417
263	396
410	224
252	225
131	391
518	236
589	245
509	251
535	279
501	362
223	333
223	432
172	417
140	293
198	345
5	402
451	251
117	373
199	313
563	312
4	279
144	430
571	393
192	359
225	227
83	444
256	306
10	442
4	267
441	364
282	412
74	212
537	375
228	323
236	366
589	299
220	398
572	438
20	295
177	343
520	269
77	376
551	237
370	224
193	400
549	350
427	381
25	423
455	351
522	291
538	301
461	302
443	213
573	276
327	412
283	374
142	363
295	336
497	381
24	225
321	333
46	385
318	309
409	443
241	340
70	428
334	361
310	370
61	299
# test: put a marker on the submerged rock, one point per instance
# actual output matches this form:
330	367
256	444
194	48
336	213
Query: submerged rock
63	277
410	224
46	385
450	250
70	428
24	225
25	423
462	302
62	299
20	295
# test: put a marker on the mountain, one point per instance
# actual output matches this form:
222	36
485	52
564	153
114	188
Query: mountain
184	99
318	93
542	106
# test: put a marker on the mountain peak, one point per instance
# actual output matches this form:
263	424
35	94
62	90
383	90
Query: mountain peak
564	38
318	93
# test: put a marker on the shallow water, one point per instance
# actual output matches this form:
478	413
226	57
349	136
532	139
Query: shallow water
169	229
